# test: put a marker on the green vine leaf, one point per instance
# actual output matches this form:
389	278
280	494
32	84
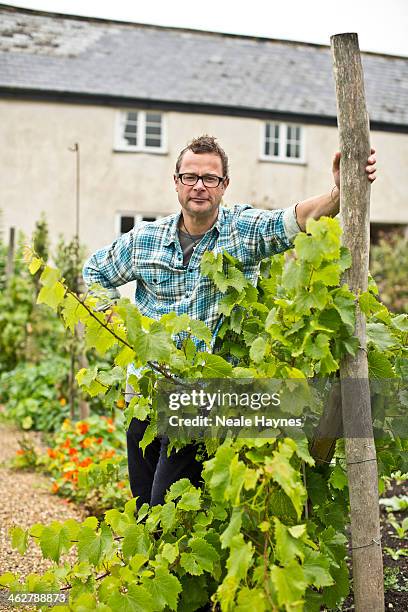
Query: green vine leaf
290	583
164	589
240	557
19	539
54	541
93	546
136	599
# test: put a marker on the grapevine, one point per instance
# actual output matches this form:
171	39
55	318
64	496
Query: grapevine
267	529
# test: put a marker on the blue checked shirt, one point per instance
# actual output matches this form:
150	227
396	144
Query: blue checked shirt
151	255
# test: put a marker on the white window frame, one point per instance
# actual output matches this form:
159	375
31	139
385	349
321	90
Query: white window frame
137	216
121	143
281	157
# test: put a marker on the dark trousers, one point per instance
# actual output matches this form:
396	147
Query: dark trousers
152	474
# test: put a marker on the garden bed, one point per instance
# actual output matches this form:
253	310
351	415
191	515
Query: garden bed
25	500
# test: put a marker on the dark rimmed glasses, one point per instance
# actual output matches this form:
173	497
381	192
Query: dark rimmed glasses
208	180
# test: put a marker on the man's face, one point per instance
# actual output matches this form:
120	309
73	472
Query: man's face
198	200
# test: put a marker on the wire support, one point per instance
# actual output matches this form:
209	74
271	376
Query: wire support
373	542
361	461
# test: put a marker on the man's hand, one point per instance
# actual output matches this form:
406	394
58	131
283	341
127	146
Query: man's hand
370	168
328	204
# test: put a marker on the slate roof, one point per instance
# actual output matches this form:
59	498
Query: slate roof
44	52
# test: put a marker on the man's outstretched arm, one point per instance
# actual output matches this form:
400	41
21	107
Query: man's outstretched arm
328	204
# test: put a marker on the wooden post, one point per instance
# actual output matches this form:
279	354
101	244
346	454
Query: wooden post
356	410
10	253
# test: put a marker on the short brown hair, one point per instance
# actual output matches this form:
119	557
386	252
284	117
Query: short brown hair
205	144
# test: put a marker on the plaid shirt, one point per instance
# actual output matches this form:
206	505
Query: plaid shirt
151	255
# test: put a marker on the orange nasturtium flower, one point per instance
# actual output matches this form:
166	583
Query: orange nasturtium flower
52	453
20	451
55	487
67	443
99	440
87	461
108	454
62	401
82	428
71	475
72	451
87	442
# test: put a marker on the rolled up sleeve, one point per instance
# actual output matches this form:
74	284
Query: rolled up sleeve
267	232
290	223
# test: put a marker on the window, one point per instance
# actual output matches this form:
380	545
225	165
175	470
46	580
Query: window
283	142
140	131
126	224
387	231
125	221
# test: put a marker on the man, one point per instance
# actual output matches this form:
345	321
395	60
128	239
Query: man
164	258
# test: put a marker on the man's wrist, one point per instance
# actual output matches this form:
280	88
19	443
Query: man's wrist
335	195
334	201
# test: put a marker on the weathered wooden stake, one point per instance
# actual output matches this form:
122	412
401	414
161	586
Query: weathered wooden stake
10	253
358	432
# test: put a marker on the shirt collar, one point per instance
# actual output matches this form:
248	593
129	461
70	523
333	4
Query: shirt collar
172	230
173	227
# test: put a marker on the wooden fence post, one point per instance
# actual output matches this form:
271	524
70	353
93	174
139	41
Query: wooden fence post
355	392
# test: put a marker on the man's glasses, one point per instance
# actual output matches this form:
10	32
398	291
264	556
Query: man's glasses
209	180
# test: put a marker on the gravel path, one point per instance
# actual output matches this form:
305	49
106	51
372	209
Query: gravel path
24	500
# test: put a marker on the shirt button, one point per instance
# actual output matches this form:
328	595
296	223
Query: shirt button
187	293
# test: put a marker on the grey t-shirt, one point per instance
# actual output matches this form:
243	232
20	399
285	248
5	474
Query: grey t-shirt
188	243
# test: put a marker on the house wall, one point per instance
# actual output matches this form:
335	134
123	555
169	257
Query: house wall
37	169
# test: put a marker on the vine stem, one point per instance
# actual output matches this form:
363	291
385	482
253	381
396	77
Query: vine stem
265	552
151	364
304	484
266	576
257	493
69	586
267	537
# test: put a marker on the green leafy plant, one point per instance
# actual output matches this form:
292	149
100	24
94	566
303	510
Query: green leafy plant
389	260
26	456
175	555
391	580
396	554
267	530
16	303
396	504
69	258
27	332
400	528
36	394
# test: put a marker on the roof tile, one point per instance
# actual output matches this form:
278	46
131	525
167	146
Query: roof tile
101	58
